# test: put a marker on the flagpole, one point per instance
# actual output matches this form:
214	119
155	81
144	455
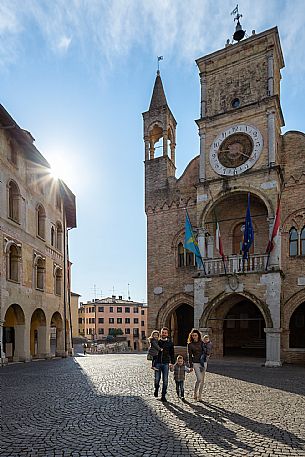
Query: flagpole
270	246
223	260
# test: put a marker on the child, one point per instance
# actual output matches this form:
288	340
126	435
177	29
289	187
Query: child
154	349
179	370
207	351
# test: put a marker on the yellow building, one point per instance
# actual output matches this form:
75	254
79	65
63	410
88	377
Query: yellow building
35	212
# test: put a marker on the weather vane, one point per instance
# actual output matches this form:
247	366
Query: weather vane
159	58
239	32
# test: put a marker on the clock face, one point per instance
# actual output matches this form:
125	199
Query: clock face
236	149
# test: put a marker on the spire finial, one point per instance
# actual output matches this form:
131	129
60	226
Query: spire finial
239	32
158	59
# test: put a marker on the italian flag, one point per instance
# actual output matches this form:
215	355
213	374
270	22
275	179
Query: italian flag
219	242
276	226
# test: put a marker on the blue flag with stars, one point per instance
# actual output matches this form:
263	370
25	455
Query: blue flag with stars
190	243
248	232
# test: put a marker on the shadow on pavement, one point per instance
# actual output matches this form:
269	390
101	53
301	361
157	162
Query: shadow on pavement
290	378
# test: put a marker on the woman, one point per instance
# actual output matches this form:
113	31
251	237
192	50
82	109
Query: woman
195	351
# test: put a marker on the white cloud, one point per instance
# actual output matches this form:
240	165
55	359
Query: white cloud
111	29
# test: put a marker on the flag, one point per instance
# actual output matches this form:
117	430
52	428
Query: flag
190	243
219	246
160	58
235	11
275	230
248	232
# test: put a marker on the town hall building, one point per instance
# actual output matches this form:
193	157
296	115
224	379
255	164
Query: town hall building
253	306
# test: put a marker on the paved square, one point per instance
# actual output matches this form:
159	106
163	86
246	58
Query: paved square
102	405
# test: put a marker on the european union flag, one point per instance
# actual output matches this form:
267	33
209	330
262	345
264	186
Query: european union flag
248	232
190	243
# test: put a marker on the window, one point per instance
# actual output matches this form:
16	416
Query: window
142	312
127	320
180	255
93	320
110	331
143	336
293	242
100	320
119	309
119	320
59	236
136	332
111	309
136	321
101	331
13	201
13	263
142	323
127	309
111	320
127	331
190	259
101	309
40	270
238	236
136	310
80	320
41	220
303	241
52	236
58	280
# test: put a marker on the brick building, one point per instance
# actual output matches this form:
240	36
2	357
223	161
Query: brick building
99	318
35	212
251	308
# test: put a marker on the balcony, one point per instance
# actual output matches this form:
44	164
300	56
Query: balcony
236	264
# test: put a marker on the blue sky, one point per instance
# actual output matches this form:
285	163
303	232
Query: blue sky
78	74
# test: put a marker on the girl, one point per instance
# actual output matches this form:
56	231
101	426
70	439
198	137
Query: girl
179	370
154	349
195	351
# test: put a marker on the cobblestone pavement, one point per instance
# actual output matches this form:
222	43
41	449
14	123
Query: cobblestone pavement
102	405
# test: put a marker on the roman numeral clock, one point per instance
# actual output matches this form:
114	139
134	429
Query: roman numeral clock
236	149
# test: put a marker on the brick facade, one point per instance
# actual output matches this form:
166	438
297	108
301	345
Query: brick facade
240	86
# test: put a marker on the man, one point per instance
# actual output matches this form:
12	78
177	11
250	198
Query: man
165	361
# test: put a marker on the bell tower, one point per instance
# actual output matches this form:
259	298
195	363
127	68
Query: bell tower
160	142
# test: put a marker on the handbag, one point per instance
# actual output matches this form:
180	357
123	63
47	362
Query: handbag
203	357
149	357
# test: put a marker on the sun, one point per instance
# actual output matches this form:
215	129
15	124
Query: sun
61	168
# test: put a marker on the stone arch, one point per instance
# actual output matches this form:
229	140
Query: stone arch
38	334
57	337
219	300
223	195
171	305
14	333
290	306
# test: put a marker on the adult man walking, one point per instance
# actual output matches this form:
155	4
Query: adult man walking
165	360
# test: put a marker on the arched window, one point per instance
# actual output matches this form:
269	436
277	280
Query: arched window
59	236
13	263
293	242
52	236
190	259
303	241
40	268
237	242
41	220
181	262
297	328
58	281
13	201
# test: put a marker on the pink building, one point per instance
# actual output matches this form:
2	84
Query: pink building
100	318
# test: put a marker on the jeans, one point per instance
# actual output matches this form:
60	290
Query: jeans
180	388
162	368
200	375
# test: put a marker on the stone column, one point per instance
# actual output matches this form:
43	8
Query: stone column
60	343
271	137
273	347
211	247
151	150
165	145
200	300
146	142
202	175
201	242
203	83
22	351
270	76
173	148
43	342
